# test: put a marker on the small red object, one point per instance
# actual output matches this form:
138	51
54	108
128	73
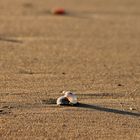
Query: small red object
59	11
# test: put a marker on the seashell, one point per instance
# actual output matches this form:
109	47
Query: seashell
71	97
62	101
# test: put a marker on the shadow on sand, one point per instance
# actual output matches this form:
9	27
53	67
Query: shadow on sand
99	108
10	40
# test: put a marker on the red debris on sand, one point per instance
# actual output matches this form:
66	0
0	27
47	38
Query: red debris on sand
59	11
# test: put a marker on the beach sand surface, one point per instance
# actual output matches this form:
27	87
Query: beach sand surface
92	50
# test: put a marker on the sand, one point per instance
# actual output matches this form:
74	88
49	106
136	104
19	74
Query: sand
93	50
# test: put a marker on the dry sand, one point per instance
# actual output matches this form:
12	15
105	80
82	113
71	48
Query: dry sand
94	50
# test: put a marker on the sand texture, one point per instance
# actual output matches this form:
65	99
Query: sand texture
92	50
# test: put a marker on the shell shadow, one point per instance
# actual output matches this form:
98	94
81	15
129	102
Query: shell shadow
104	109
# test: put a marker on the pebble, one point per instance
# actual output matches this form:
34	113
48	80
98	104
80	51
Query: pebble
131	108
59	11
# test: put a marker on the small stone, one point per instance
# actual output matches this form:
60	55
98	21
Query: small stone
131	108
64	125
119	84
59	11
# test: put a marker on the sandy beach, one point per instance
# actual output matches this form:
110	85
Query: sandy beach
92	50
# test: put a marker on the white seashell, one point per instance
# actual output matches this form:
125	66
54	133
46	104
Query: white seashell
71	97
131	108
62	101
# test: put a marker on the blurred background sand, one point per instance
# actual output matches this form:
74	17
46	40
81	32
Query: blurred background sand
93	50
